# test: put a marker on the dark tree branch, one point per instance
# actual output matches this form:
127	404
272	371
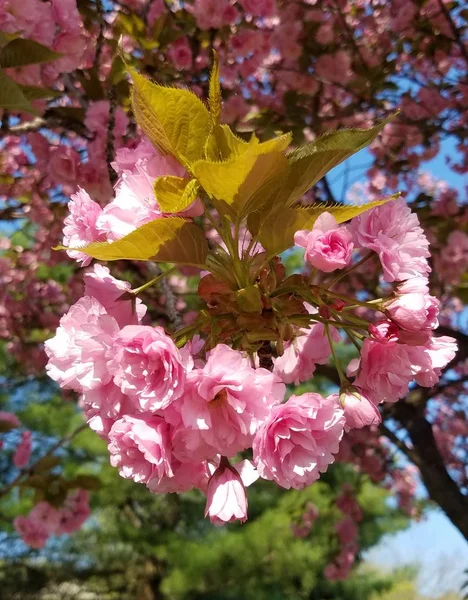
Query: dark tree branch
440	486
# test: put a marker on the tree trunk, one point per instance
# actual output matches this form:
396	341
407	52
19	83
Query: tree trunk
441	488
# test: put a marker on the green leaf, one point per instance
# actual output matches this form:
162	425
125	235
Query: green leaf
172	240
21	52
215	91
175	194
176	121
11	96
276	232
310	163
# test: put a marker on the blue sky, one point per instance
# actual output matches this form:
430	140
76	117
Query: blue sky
434	543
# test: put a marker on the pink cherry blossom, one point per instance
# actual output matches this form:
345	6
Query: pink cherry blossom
346	530
298	440
183	477
226	496
359	410
223	405
140	448
63	164
80	225
113	295
259	8
33	533
393	231
74	512
432	358
23	451
327	246
300	357
180	54
146	364
81	349
386	370
413	308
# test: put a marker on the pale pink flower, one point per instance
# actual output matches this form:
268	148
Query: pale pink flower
393	231
334	67
80	225
147	364
183	477
223	405
134	204
432	358
298	440
80	351
97	118
386	370
310	348
211	14
73	46
226	499
104	405
156	10
180	54
63	164
140	448
66	15
74	512
23	451
359	411
259	8
413	308
328	246
346	530
114	296
33	533
46	515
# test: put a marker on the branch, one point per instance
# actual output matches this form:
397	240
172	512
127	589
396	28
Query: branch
441	488
65	440
454	29
110	140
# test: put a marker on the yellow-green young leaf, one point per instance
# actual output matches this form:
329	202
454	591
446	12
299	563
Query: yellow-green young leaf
236	181
21	52
172	240
175	194
215	91
310	163
176	121
276	232
11	96
222	144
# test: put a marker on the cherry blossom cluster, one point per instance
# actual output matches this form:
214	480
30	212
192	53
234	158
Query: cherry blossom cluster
174	417
45	520
347	534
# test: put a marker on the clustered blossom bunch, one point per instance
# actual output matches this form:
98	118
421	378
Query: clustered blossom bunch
180	409
45	520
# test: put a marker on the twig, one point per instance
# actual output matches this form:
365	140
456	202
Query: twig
408	452
111	136
454	29
100	38
171	300
65	440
